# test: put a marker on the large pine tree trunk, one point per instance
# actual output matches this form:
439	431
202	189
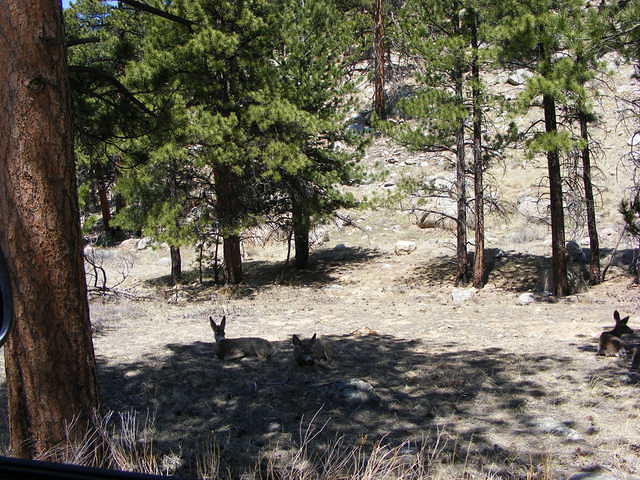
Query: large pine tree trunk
462	276
478	258
378	58
594	244
228	210
49	356
301	225
558	247
176	264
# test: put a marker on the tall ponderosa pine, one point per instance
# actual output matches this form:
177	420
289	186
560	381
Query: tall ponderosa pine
533	36
298	130
49	358
447	42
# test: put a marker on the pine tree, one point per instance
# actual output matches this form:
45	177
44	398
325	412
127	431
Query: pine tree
534	35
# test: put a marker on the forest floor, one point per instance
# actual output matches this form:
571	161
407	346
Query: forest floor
496	387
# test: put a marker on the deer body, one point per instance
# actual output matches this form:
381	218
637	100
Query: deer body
611	343
236	348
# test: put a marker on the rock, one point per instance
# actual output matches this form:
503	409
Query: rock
529	207
559	429
462	295
129	244
576	253
635	140
597	472
88	251
319	236
519	77
143	243
389	184
354	392
164	261
392	160
405	247
526	298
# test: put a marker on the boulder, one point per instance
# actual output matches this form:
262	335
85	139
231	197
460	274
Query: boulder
129	244
519	77
526	298
354	392
405	247
143	243
462	295
530	207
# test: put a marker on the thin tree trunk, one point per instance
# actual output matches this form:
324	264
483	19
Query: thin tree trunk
301	234
462	276
176	264
558	247
228	210
49	357
105	208
379	59
478	258
594	244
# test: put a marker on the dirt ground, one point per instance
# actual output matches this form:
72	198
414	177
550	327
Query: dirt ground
508	384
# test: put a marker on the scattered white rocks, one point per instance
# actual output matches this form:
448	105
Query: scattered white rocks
405	247
462	295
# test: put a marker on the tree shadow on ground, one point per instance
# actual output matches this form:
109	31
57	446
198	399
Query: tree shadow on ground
250	405
323	268
518	272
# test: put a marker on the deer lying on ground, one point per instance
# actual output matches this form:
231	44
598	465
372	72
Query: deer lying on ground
235	348
611	343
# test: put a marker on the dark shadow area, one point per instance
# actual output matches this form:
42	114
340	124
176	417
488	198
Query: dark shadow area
248	405
517	272
324	264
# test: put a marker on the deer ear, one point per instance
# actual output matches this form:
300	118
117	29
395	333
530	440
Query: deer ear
224	321
295	340
212	322
313	339
616	316
624	320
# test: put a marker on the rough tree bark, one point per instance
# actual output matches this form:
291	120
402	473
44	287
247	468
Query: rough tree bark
49	356
378	58
558	247
478	258
176	264
105	207
594	244
301	225
228	208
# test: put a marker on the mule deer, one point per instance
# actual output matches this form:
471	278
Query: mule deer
610	342
311	351
235	348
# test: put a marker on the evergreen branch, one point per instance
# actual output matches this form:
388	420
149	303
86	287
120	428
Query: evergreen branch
113	81
161	13
81	41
